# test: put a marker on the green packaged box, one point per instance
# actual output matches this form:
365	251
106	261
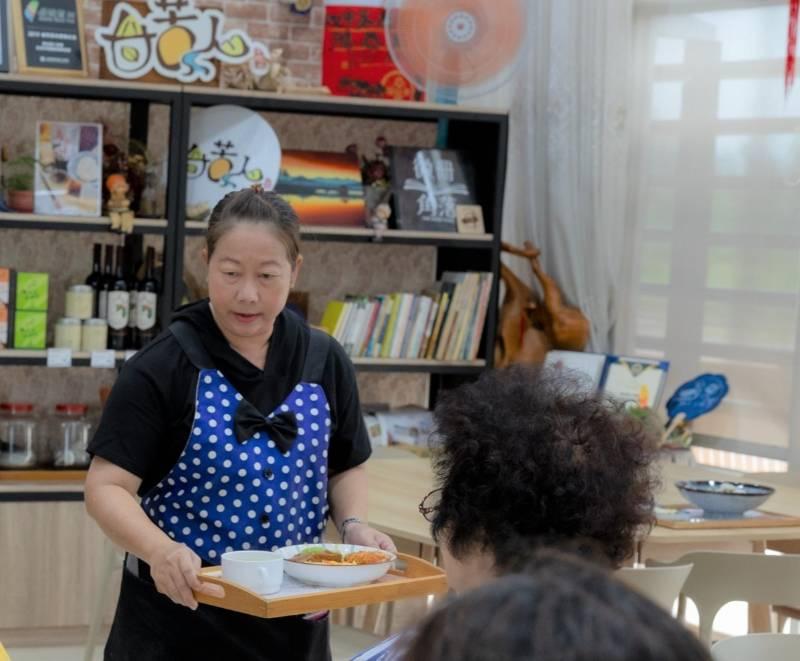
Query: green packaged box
30	330
31	291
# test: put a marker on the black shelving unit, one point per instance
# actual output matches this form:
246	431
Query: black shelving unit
483	135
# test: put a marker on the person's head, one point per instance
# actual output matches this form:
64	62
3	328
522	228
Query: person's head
562	608
525	458
253	257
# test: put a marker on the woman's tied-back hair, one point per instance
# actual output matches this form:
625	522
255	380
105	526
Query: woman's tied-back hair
526	458
255	205
561	608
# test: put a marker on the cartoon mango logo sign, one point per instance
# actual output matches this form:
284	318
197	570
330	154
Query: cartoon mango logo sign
219	168
174	39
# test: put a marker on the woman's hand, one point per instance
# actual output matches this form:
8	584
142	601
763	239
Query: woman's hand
174	568
363	535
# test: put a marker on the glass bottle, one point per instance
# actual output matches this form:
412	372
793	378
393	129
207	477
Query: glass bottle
118	307
147	301
105	283
95	278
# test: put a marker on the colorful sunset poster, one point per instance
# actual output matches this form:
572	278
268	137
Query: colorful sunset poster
324	188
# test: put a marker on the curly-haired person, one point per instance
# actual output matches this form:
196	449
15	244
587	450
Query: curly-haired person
560	608
525	458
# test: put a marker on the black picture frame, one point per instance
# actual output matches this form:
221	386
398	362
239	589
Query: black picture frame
428	185
49	37
5	35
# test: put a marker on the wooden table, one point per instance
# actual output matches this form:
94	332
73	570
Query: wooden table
785	500
398	482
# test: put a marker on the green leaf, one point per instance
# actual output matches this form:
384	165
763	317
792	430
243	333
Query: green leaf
235	47
130	54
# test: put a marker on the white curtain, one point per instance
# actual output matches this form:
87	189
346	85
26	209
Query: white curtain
568	149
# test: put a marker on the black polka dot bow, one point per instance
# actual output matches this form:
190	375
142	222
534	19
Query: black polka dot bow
281	428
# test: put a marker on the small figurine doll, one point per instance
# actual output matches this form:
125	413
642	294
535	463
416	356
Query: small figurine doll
118	204
379	220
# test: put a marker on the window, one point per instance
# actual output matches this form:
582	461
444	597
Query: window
717	207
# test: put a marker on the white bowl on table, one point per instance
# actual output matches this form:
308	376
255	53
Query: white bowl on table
334	576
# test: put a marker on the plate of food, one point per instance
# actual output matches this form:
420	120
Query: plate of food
336	565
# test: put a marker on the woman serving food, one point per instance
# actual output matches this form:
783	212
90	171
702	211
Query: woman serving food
239	427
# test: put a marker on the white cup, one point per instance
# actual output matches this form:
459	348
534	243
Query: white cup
259	571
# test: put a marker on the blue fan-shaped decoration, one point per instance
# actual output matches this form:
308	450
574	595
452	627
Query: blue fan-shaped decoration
698	396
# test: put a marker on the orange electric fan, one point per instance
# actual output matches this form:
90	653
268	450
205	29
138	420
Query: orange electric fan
456	47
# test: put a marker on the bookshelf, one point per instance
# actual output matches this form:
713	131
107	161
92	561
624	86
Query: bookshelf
481	133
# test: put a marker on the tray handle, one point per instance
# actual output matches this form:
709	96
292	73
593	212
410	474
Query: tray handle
236	597
415	567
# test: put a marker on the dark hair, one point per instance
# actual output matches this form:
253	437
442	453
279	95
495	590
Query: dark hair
525	457
255	205
564	608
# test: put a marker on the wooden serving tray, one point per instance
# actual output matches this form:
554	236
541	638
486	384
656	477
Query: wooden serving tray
35	475
751	519
418	579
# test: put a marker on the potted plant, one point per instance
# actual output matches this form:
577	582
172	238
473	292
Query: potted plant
19	183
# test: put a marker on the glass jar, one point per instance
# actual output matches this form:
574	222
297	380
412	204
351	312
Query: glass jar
94	335
79	303
69	435
18	435
68	334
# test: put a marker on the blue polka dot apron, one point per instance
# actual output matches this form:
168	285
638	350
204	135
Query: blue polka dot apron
260	488
227	493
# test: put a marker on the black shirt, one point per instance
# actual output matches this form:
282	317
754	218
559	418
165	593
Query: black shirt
148	417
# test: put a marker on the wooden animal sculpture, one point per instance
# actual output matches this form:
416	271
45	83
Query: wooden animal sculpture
529	325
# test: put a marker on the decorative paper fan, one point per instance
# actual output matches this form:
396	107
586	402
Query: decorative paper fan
470	45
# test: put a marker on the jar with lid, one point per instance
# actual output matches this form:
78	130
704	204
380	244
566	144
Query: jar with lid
69	434
68	334
79	302
94	335
18	436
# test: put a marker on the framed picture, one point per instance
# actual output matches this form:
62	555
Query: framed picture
428	185
583	365
49	37
4	35
639	381
355	55
324	188
469	219
69	169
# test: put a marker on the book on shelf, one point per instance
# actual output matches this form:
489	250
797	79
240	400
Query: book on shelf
408	425
444	322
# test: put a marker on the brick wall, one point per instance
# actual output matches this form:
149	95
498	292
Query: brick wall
267	21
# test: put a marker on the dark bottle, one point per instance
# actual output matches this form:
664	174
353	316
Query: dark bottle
133	286
147	301
105	283
118	307
95	278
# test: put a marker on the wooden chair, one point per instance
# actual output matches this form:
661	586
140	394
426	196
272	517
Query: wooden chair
661	585
718	578
765	646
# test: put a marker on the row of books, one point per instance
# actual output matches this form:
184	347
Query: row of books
443	323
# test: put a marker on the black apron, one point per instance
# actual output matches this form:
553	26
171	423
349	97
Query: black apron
148	626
